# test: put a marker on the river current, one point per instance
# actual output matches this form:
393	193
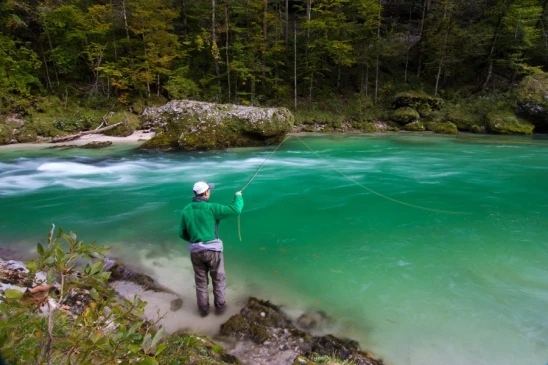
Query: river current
426	249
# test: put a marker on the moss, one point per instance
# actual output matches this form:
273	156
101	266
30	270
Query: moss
465	120
414	127
501	122
415	99
441	127
364	126
405	115
424	110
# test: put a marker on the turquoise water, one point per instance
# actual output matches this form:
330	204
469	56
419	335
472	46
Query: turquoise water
427	249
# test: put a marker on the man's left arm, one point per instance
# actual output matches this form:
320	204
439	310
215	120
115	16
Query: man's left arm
223	211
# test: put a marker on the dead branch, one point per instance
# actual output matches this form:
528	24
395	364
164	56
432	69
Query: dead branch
80	134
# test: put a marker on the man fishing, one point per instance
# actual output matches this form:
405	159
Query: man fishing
199	226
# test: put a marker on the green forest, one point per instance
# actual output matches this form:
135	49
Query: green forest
326	60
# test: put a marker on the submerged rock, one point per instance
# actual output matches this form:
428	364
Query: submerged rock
274	339
193	125
121	272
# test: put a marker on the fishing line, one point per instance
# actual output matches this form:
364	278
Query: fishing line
376	193
253	176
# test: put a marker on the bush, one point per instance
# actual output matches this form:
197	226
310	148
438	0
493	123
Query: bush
6	134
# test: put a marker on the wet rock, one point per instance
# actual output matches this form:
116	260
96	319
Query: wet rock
78	299
121	272
274	339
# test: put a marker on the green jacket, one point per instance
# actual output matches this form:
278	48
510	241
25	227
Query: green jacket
200	219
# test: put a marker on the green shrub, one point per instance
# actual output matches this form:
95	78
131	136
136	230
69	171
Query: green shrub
6	134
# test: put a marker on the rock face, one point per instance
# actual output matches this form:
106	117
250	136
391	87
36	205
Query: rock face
273	339
193	125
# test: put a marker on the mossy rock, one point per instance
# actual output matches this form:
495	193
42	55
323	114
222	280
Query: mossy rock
414	127
465	121
130	122
533	100
405	115
191	125
441	127
416	99
501	122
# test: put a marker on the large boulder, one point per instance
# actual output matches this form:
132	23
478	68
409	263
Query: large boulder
193	125
533	100
501	122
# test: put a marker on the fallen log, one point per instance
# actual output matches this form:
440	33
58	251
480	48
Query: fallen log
72	137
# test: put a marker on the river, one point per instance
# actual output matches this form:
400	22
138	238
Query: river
426	249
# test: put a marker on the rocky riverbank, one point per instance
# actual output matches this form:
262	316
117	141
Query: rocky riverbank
52	294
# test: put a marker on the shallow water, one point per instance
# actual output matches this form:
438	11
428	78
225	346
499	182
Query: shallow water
427	249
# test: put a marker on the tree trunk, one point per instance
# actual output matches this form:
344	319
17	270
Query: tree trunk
126	26
214	46
377	58
493	45
295	62
286	23
441	62
265	35
226	50
422	41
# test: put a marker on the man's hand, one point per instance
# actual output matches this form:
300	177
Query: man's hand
239	192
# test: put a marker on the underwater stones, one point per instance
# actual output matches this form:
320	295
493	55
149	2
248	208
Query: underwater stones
312	320
501	122
176	304
121	272
193	125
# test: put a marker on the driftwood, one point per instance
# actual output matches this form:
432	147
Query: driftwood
72	137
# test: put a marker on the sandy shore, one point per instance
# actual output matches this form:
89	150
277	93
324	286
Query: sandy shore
136	138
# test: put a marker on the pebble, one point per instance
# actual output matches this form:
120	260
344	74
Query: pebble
263	314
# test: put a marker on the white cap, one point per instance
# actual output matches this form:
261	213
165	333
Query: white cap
201	186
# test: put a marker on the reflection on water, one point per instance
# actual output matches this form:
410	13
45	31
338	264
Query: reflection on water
413	285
